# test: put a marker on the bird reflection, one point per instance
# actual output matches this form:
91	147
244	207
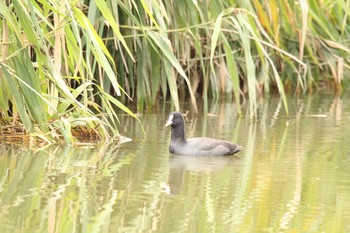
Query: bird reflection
179	165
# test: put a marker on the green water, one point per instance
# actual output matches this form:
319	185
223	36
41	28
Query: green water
293	176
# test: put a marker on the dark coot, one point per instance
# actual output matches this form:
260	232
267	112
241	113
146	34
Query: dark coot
196	146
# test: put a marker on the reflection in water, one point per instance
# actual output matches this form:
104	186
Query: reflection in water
179	165
289	178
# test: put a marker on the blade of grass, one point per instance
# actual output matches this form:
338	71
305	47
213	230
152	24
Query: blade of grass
250	67
165	46
17	99
109	17
122	107
232	69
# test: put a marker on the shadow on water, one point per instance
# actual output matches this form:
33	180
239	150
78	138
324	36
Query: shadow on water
292	176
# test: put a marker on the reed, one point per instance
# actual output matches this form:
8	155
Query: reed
69	65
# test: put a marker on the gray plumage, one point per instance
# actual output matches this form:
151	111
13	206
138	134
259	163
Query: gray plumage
201	146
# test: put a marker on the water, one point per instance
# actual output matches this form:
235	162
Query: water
293	176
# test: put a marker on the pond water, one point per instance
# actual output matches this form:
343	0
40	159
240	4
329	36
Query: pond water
292	176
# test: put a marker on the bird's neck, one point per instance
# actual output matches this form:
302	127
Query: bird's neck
178	134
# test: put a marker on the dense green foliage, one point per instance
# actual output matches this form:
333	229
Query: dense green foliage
67	64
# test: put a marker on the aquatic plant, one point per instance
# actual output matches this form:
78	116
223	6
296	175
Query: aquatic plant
66	67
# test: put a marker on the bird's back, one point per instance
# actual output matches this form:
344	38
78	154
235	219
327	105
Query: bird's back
204	146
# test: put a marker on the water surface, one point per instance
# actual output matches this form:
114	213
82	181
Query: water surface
293	176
